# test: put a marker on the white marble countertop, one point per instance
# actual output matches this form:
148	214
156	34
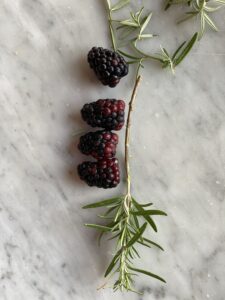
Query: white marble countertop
178	156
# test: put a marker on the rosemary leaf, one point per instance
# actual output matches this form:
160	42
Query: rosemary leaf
210	22
114	236
150	213
111	209
99	227
211	9
145	36
131	62
129	23
142	243
120	5
103	203
188	15
146	205
147	273
136	221
128	55
137	236
112	264
147	218
186	49
178	49
100	237
153	243
144	25
136	252
220	1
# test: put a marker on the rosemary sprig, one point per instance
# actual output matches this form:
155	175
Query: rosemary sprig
201	9
133	31
126	220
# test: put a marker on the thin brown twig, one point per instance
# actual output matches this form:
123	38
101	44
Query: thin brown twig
127	134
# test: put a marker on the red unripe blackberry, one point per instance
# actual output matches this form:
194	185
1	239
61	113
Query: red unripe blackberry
108	65
103	173
99	144
105	113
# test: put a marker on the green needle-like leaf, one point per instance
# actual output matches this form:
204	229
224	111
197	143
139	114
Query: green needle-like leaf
120	5
135	251
152	212
153	243
147	218
147	273
112	264
220	1
168	4
145	36
111	209
136	221
129	23
186	49
146	245
189	15
99	227
178	49
202	25
103	203
100	237
131	62
144	25
146	205
139	14
210	22
114	236
211	9
166	53
128	55
136	236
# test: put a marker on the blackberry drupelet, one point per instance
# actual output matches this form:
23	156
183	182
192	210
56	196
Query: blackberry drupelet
103	173
99	144
105	113
109	66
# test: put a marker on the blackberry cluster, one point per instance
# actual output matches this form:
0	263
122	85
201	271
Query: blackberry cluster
99	144
109	66
105	113
103	173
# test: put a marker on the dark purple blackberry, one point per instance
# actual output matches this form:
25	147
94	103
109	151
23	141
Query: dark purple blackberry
109	66
103	173
105	113
99	144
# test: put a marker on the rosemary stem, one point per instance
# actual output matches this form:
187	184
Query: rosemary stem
111	30
127	136
127	198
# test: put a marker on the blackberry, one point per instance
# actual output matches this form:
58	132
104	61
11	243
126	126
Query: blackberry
103	173
105	113
109	66
99	144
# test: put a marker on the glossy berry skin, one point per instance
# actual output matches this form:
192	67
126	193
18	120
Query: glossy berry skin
103	173
99	144
105	113
109	66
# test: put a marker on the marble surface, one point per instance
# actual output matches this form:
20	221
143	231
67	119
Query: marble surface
178	156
